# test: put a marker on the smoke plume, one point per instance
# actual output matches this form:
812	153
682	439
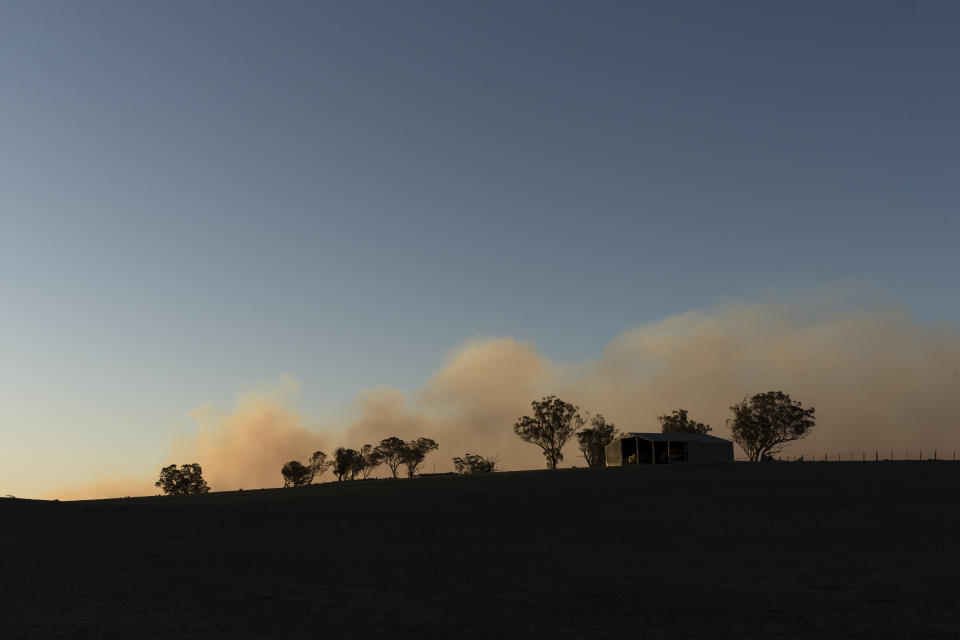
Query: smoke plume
246	447
880	381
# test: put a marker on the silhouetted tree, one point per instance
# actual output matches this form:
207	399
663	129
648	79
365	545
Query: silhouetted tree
471	463
390	452
370	456
763	424
347	463
415	451
185	480
318	465
553	423
679	423
594	439
296	474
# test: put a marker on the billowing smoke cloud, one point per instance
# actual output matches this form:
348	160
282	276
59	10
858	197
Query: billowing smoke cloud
469	405
246	447
878	379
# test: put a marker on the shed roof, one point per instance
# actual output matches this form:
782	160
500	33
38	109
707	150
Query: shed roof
675	437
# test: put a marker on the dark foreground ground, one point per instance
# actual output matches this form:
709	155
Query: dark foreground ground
778	550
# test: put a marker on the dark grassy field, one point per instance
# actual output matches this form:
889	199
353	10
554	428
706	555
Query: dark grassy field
778	550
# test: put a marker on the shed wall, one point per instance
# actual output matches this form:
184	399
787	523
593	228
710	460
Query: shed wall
614	453
717	452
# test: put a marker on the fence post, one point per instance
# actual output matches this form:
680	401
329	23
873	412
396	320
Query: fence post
876	456
934	455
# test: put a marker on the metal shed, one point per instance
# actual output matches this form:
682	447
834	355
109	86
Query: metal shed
668	448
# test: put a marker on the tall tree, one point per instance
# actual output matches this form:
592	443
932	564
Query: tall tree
390	452
318	465
594	439
185	480
678	422
763	424
415	451
347	463
552	425
370	456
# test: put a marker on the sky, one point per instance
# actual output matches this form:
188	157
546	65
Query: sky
204	199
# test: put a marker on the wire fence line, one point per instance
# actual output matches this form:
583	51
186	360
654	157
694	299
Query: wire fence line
877	455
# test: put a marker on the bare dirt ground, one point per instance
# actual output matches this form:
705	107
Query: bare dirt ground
790	550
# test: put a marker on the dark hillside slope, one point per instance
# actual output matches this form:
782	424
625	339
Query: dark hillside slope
776	550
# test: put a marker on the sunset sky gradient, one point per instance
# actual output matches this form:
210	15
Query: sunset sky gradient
204	199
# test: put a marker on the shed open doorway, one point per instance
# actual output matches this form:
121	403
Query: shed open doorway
632	449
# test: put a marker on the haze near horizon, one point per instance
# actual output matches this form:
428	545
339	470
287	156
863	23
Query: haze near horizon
414	218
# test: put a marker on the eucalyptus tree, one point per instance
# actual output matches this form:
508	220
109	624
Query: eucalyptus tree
414	452
186	479
679	422
552	425
593	440
763	424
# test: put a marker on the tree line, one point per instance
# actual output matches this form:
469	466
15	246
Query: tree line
351	464
761	425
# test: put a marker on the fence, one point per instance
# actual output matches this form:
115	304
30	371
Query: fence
864	456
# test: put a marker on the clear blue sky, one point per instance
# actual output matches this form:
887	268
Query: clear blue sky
198	195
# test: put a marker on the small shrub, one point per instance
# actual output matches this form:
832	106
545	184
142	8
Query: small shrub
472	463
